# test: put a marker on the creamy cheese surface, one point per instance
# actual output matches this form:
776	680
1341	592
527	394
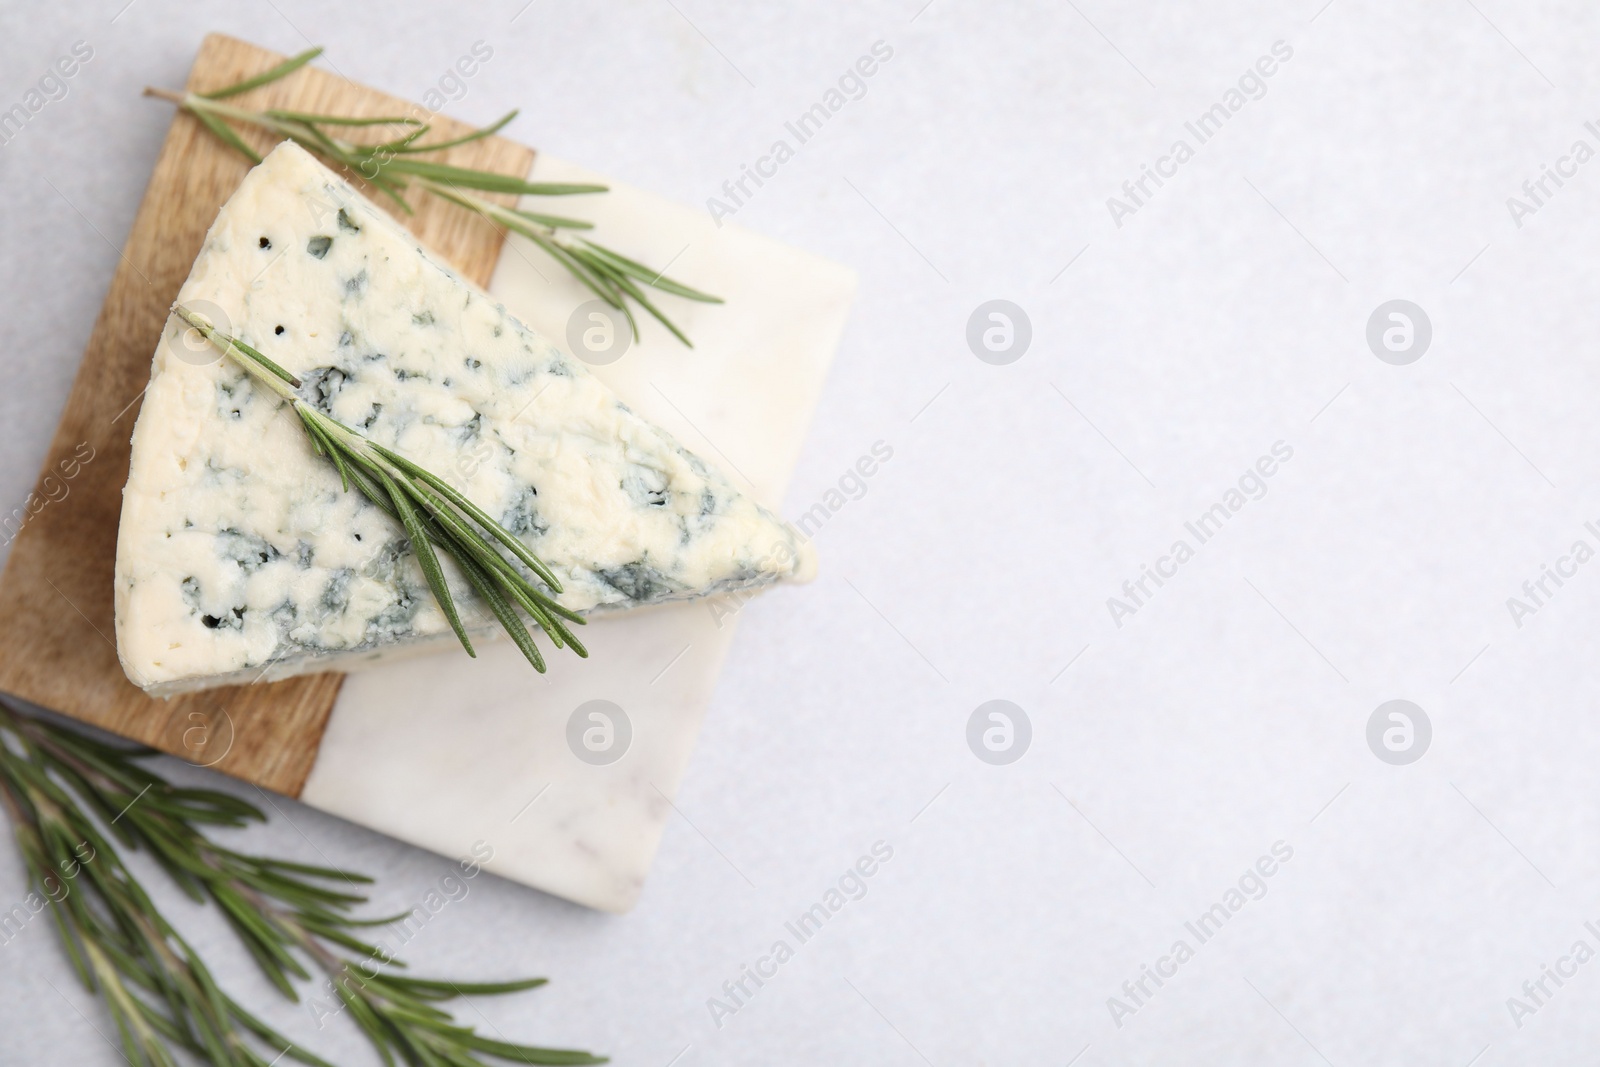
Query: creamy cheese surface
240	557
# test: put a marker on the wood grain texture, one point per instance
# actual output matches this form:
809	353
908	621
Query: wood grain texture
56	635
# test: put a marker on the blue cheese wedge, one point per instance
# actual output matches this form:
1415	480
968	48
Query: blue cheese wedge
239	556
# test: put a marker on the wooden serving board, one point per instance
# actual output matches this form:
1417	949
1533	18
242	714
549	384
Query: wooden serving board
56	637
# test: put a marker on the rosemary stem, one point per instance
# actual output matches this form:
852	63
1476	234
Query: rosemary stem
350	439
193	102
251	364
110	980
487	208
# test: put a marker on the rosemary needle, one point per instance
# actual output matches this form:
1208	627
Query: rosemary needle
433	513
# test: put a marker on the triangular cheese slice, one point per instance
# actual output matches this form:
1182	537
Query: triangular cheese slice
239	557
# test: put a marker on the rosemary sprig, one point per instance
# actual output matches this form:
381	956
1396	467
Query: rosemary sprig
390	167
430	509
72	799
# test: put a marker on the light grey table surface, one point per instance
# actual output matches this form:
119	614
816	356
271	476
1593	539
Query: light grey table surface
1228	713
